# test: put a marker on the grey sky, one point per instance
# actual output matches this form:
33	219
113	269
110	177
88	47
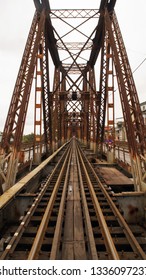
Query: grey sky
15	20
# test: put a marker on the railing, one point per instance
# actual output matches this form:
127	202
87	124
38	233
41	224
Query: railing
121	153
29	149
27	155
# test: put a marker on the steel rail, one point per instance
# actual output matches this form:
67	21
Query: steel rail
57	234
34	252
89	230
110	246
24	222
128	233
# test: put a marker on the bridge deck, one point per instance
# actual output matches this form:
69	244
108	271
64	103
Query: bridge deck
68	212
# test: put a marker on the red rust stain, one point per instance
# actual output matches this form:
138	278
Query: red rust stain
132	209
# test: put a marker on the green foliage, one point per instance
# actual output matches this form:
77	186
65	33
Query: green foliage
28	138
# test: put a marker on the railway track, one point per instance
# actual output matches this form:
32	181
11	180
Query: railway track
74	215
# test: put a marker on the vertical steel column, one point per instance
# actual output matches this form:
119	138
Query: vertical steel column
63	99
102	95
92	92
38	108
46	94
110	96
56	110
85	109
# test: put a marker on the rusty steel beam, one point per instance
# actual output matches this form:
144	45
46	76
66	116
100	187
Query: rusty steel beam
103	91
74	13
97	41
51	41
38	103
40	5
46	95
85	110
63	110
46	5
55	110
102	95
43	97
107	4
93	109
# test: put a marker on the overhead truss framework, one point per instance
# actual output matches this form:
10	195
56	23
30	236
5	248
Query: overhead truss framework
79	99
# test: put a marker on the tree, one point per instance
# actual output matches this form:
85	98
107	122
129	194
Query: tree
28	138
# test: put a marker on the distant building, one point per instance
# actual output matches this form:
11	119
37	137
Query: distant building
0	136
120	132
143	109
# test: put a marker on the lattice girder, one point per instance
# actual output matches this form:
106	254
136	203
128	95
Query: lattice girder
14	126
133	119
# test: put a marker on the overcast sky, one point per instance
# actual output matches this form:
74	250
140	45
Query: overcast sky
15	20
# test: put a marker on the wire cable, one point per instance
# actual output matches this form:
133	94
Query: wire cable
139	65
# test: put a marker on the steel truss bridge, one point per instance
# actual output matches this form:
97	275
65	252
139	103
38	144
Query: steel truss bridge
73	59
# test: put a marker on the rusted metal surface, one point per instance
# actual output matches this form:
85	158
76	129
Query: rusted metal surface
112	177
46	94
75	13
